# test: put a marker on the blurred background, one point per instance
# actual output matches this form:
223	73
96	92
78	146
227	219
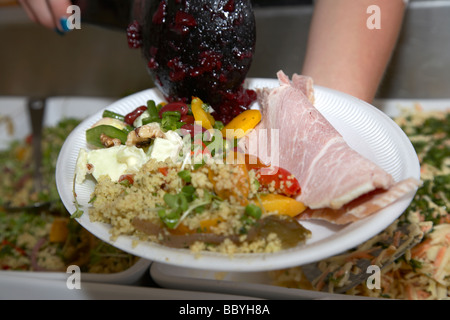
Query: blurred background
96	61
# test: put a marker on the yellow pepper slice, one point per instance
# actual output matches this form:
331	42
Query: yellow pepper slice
181	230
281	204
59	230
201	116
242	124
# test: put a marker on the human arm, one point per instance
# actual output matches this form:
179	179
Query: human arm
46	12
343	53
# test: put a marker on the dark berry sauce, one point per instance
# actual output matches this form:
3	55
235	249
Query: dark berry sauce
201	48
134	35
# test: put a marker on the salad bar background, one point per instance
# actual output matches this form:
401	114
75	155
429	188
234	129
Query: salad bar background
78	69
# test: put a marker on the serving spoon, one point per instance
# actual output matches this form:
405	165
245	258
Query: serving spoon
324	275
36	111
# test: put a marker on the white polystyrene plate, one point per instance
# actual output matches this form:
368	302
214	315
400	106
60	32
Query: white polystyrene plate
364	127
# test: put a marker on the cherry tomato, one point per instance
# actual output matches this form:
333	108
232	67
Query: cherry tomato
164	171
127	179
282	181
130	117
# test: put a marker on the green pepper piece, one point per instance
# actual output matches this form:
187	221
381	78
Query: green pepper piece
176	201
171	218
253	211
152	110
153	113
93	135
189	192
150	120
218	125
185	175
128	129
112	114
171	122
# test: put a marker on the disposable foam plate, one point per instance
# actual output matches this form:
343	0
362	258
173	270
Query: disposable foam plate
365	128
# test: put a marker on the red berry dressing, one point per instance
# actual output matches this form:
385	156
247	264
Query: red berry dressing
201	48
134	35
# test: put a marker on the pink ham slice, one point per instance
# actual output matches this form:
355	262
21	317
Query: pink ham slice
332	175
364	205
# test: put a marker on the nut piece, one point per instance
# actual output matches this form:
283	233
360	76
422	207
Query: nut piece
108	141
143	135
89	168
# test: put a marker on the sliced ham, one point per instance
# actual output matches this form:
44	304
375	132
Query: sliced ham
330	172
304	84
362	206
